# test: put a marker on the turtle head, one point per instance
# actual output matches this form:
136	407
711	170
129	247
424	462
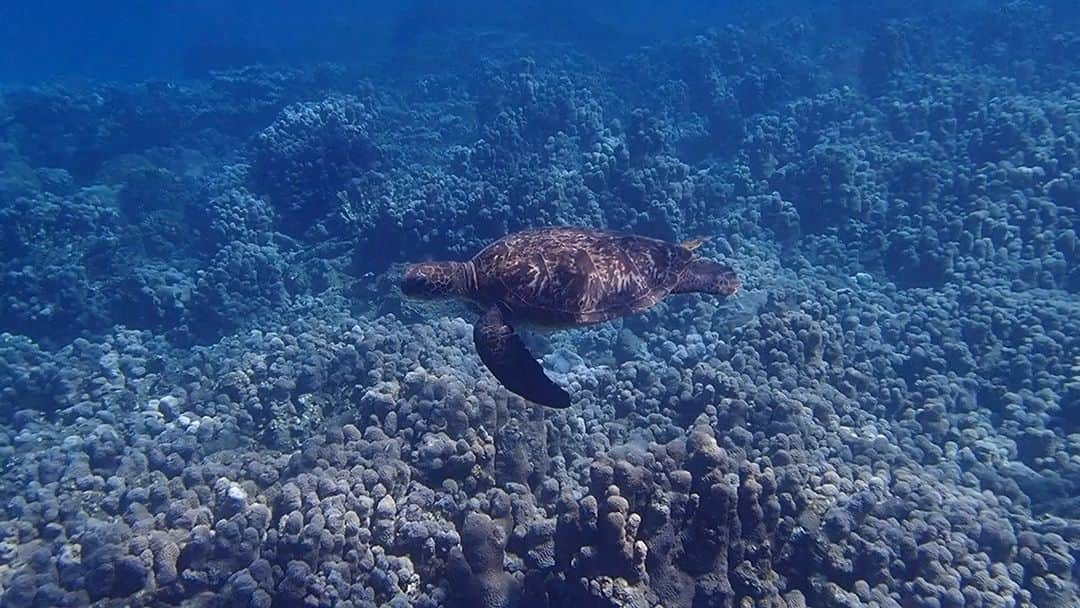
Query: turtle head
430	280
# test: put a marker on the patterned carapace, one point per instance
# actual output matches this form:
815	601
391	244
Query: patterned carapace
566	276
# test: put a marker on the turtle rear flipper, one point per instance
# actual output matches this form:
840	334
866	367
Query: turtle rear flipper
506	356
707	276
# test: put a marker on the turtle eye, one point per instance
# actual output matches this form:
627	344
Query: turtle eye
418	282
413	284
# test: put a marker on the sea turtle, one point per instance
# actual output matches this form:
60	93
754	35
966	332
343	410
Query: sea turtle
561	277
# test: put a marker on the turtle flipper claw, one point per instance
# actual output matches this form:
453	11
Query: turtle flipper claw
505	355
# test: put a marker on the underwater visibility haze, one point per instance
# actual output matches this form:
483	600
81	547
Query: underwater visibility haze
540	304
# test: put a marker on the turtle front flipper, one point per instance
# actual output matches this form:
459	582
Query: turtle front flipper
504	353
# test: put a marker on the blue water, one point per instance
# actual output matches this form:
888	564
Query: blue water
830	250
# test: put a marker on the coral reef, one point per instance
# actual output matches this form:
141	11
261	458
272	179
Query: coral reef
211	395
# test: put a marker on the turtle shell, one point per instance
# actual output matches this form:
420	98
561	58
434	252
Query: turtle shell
573	276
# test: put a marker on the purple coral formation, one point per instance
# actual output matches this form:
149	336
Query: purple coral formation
210	396
325	144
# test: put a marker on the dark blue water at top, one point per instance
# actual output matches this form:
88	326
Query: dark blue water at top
127	40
